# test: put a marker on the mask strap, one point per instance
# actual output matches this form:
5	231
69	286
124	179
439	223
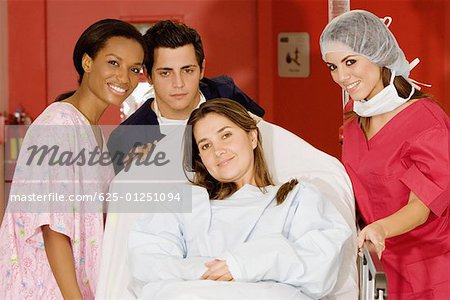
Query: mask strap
388	20
412	91
392	77
414	63
409	80
414	83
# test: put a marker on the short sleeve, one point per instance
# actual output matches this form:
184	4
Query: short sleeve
45	178
33	180
428	173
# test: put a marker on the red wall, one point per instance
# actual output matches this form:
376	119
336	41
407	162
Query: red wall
240	39
27	56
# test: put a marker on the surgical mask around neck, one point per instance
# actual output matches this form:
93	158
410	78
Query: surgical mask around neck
385	101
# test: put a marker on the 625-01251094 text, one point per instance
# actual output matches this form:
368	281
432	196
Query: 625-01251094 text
141	197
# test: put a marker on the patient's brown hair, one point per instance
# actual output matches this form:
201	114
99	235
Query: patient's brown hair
192	162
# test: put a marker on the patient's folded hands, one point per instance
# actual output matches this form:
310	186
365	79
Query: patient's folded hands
217	270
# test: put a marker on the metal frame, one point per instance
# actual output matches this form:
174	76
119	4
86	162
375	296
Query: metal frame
372	280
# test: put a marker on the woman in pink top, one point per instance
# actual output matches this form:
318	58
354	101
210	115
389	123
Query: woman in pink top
51	234
396	151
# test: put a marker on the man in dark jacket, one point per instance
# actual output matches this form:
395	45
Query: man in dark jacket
175	64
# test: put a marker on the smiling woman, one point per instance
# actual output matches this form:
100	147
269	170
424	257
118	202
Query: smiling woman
48	249
354	73
108	69
226	150
396	151
114	73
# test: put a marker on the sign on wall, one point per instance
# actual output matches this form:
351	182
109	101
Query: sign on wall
293	54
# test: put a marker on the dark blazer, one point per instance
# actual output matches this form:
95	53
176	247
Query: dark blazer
123	138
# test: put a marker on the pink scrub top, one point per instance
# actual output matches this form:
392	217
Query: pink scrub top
410	153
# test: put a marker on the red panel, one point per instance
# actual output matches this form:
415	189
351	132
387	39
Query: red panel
266	54
310	107
27	59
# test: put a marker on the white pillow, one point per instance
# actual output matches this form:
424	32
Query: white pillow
289	156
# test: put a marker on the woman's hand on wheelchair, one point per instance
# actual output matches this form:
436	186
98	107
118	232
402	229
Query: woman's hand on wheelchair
374	233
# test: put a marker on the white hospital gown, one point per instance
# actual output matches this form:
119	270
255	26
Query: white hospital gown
290	251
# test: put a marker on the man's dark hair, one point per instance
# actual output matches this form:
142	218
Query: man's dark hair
168	34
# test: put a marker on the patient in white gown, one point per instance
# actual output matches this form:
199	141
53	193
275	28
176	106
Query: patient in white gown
245	238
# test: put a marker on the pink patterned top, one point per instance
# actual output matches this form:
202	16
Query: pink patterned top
75	181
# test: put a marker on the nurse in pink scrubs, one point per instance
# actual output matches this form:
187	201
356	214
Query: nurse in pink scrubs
396	151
